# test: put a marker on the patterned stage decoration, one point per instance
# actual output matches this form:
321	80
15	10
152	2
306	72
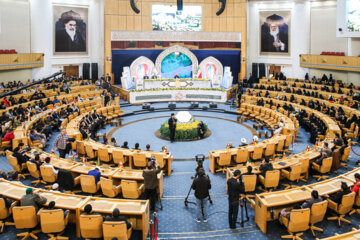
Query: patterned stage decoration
212	69
176	60
140	68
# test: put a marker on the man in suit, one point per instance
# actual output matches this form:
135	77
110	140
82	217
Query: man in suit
69	39
172	127
117	218
274	35
235	187
266	166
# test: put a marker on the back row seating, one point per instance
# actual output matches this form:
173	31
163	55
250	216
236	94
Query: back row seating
8	51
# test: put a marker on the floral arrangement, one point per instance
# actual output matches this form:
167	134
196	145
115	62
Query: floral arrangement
166	89
184	131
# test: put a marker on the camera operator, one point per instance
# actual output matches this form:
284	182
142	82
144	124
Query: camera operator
151	182
201	185
235	187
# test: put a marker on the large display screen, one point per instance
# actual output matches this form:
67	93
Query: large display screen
167	18
353	15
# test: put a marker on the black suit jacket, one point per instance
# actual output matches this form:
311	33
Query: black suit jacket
63	42
172	123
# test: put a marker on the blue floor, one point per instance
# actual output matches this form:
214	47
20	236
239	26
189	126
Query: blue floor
177	221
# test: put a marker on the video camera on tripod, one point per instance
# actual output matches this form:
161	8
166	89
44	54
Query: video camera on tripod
199	158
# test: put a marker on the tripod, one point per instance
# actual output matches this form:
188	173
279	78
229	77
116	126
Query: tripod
186	202
243	205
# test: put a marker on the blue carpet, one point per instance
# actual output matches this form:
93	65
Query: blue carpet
177	221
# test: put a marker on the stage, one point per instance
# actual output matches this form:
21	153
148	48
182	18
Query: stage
174	95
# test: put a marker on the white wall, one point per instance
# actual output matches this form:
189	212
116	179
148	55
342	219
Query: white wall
42	36
313	30
15	34
299	35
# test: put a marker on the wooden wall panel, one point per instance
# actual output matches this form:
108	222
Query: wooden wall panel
21	61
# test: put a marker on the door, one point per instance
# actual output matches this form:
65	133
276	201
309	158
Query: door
71	71
274	69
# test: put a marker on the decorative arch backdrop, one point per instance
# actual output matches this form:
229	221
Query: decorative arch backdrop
122	58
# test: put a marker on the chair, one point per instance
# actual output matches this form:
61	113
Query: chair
280	146
118	156
103	155
90	153
352	135
88	185
224	161
139	160
16	166
160	160
324	168
304	168
271	179
270	150
288	141
356	205
108	188
257	153
293	175
132	189
53	223
242	156
116	229
345	156
26	218
35	173
5	213
250	186
80	148
343	208
48	175
298	222
317	214
91	226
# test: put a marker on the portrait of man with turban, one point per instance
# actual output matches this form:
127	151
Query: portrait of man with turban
274	34
70	33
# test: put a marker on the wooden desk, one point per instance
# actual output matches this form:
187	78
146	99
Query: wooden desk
136	210
353	235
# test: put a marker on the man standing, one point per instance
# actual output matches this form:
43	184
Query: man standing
151	182
201	185
235	187
60	143
172	127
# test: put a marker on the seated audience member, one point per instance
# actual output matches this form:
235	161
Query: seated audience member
105	140
265	166
249	171
279	128
230	145
35	137
137	146
88	210
37	161
325	153
32	199
125	145
51	206
113	142
9	136
96	173
47	163
7	201
314	199
338	196
19	156
243	142
116	217
148	147
338	141
286	213
356	187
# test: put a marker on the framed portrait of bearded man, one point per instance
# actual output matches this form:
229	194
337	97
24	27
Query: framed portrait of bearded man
70	30
275	32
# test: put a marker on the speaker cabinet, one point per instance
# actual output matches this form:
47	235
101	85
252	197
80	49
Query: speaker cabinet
179	5
255	70
94	71
86	71
262	72
133	6
222	7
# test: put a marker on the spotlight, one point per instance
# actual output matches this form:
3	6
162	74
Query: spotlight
172	105
194	105
177	54
146	106
212	105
